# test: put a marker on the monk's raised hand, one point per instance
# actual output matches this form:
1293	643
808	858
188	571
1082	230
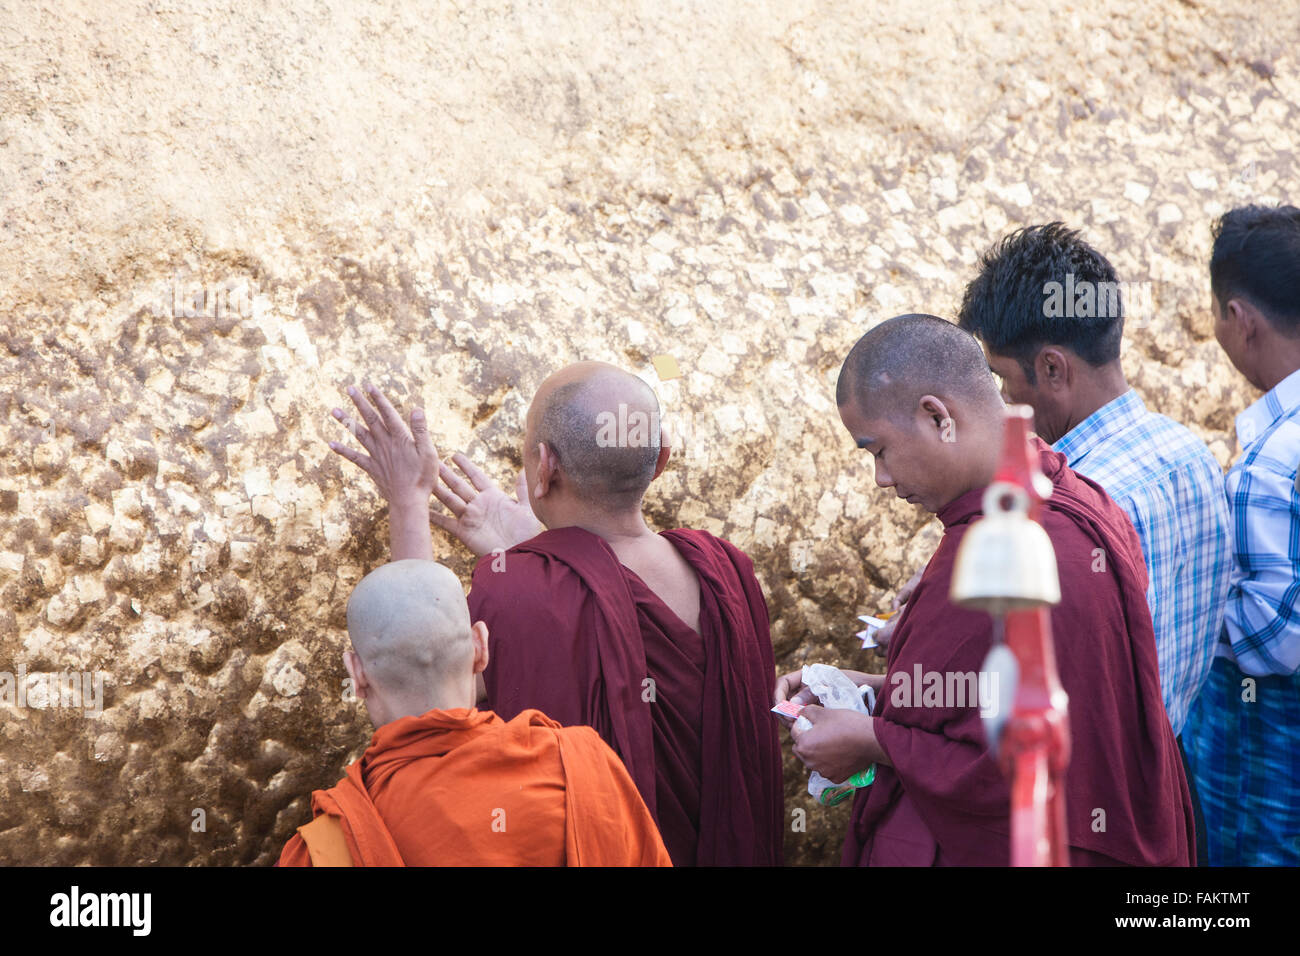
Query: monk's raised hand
403	462
483	517
838	743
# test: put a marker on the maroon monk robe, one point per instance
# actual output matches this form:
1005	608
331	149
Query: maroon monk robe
945	800
580	637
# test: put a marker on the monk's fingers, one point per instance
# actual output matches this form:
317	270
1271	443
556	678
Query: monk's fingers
521	486
805	697
456	483
387	413
361	461
787	685
884	634
476	474
801	726
813	713
355	429
364	408
905	592
445	522
420	432
452	501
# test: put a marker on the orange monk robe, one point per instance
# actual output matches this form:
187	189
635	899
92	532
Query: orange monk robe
466	788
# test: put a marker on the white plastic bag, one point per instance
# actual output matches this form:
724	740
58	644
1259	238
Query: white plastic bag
835	691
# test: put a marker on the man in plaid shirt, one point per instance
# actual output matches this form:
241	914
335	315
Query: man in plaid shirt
1244	731
1047	307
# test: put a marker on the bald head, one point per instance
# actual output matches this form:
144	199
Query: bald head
410	626
904	358
602	425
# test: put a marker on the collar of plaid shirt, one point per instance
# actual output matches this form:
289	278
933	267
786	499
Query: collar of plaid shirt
1113	417
1282	398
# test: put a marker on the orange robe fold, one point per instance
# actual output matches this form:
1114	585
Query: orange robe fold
466	788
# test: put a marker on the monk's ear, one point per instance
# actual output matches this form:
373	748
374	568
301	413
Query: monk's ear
478	635
357	672
665	450
935	417
546	465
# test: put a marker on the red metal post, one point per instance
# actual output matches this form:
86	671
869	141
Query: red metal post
1035	745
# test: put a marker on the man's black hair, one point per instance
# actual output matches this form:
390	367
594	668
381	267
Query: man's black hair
1043	285
1256	257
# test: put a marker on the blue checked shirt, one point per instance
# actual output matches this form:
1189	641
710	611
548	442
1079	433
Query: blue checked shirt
1172	488
1263	621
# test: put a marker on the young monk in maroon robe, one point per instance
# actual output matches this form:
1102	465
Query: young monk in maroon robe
445	784
658	641
916	392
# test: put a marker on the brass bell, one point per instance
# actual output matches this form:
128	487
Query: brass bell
1006	561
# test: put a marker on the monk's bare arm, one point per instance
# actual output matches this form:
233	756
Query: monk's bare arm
403	463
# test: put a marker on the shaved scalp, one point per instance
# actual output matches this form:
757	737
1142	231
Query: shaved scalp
602	425
909	356
409	624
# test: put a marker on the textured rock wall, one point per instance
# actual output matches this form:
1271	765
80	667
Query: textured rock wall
454	200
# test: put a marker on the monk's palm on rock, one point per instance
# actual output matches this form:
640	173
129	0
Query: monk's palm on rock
483	517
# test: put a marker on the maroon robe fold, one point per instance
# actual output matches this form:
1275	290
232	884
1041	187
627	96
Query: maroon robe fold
580	637
945	800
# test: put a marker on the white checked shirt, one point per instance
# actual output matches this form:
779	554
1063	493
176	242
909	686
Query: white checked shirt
1172	488
1263	619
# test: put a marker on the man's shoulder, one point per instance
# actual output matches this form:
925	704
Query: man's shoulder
1176	436
1276	451
1148	454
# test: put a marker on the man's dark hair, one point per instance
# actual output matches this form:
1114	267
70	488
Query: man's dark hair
1043	285
1256	257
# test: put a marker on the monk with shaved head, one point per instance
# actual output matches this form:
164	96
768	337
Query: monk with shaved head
659	641
916	393
445	784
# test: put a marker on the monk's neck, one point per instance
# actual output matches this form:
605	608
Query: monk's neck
616	528
384	709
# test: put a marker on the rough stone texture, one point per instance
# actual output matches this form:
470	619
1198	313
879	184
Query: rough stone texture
455	201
